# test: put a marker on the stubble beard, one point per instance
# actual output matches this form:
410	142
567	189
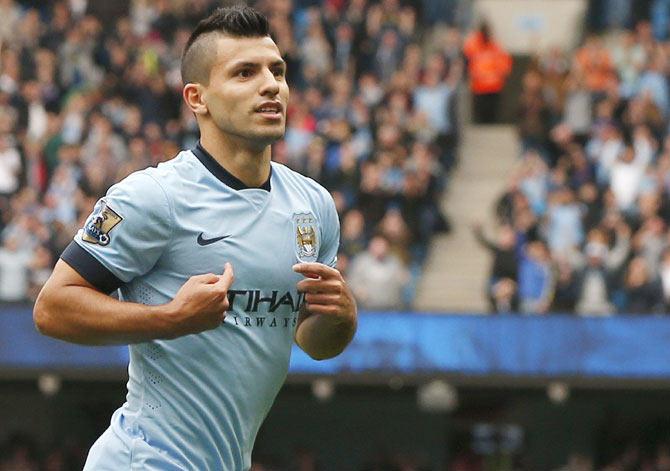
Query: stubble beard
257	135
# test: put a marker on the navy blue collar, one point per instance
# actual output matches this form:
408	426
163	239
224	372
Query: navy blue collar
221	173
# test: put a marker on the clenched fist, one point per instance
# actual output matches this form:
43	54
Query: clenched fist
200	304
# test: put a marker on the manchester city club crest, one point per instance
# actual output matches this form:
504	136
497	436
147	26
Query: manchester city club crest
100	222
306	237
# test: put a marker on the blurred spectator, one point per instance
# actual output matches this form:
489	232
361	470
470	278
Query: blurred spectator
352	236
533	112
650	240
304	459
488	67
377	277
597	278
629	58
578	462
578	107
535	279
10	166
663	457
594	62
314	49
566	289
19	454
665	277
10	12
395	230
501	287
653	82
564	222
433	102
14	276
660	14
626	177
643	292
533	181
604	148
589	198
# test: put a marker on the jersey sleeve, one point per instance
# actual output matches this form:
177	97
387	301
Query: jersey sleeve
125	234
330	233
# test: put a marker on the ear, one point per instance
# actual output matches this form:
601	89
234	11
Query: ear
193	94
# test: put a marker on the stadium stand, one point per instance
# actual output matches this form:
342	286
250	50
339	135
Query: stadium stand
88	99
588	200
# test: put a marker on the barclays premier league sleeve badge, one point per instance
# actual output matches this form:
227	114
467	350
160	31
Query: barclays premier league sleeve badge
306	237
100	223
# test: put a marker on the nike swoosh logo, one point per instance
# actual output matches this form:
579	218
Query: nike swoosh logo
202	241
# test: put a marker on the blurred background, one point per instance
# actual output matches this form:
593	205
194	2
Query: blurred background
501	169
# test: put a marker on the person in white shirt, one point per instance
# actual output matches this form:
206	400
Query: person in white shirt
377	277
10	166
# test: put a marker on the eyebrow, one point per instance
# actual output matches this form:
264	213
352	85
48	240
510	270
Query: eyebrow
235	65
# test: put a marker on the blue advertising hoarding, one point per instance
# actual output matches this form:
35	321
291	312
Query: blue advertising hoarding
627	347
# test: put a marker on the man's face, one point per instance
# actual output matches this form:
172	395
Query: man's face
247	93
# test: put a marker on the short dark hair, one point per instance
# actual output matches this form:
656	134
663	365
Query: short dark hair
238	20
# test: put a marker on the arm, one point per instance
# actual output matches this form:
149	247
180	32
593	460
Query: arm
619	253
328	319
71	309
548	290
478	231
121	240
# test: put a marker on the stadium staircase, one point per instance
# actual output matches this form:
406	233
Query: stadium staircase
457	267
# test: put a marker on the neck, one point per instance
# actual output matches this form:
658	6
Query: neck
249	164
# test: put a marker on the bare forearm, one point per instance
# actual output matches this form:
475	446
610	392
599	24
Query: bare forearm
83	315
483	240
324	336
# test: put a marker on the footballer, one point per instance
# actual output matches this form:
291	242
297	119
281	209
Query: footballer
221	259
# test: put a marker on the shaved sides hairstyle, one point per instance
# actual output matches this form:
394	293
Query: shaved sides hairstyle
200	53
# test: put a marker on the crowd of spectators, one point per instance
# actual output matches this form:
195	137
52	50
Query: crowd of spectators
629	456
583	224
86	99
20	452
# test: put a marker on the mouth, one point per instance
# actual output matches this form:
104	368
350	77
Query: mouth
272	110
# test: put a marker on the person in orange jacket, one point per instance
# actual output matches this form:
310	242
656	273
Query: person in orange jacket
488	65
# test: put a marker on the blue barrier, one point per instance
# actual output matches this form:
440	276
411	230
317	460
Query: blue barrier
627	347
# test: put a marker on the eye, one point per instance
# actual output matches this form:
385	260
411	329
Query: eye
279	72
245	73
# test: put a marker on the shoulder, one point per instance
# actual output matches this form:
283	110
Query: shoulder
153	188
163	177
142	187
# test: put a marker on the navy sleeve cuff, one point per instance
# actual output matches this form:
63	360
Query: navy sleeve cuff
90	268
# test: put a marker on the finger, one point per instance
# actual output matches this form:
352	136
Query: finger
322	309
314	268
227	278
206	278
309	285
333	299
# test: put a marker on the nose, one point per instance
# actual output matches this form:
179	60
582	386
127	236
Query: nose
270	86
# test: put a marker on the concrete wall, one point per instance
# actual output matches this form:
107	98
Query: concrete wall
525	26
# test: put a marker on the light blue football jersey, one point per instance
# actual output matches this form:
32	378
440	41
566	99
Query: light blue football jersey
197	402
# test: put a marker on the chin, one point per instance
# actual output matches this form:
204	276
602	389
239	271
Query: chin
269	136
